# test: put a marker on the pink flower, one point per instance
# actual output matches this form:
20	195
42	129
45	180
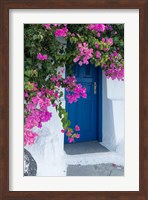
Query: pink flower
25	94
77	89
76	59
97	45
109	41
115	53
98	54
44	57
29	137
69	133
61	32
47	26
97	27
84	54
62	70
80	63
80	45
77	128
77	135
70	140
98	34
56	25
41	57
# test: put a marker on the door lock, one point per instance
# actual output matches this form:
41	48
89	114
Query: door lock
95	87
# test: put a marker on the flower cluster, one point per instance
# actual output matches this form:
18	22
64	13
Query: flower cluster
36	112
71	133
114	73
29	136
84	54
112	63
98	54
62	32
74	90
104	44
115	69
98	28
76	93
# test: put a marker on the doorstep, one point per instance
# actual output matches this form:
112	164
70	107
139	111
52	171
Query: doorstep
84	148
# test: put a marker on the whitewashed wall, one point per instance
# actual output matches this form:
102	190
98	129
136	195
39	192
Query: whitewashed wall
113	114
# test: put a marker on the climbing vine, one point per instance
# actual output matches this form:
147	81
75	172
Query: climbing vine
52	49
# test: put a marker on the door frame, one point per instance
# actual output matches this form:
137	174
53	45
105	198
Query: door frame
98	105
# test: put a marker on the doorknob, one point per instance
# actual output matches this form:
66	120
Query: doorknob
95	87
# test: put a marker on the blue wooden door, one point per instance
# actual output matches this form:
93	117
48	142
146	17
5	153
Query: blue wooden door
85	111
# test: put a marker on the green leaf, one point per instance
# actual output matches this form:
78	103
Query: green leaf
35	37
28	73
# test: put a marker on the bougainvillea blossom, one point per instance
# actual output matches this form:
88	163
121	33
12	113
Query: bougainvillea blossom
42	57
84	54
61	32
97	27
77	128
47	26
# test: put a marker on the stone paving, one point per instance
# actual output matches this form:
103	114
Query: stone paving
107	169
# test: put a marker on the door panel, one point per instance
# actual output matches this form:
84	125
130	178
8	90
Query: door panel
84	112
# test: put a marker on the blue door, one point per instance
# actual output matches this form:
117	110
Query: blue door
86	112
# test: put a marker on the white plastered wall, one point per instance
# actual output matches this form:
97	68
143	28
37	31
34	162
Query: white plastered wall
113	114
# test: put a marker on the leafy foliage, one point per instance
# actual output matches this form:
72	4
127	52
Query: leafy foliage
49	46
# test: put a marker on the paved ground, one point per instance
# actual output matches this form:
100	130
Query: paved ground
95	170
84	147
89	148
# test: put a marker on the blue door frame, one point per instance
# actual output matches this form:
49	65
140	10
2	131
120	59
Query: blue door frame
98	120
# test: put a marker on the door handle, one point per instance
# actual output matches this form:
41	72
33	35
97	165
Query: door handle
95	87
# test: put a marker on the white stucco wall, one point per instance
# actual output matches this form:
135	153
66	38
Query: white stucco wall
48	149
113	114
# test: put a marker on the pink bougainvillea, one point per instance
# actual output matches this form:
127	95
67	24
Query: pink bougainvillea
42	57
97	27
36	110
84	54
62	32
77	128
47	26
98	44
